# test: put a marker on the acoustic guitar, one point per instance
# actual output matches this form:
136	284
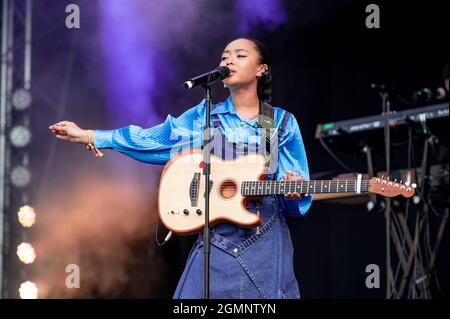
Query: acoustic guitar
181	195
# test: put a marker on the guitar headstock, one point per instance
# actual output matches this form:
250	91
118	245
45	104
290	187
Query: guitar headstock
388	188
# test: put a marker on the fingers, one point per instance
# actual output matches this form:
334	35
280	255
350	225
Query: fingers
294	195
59	125
60	128
63	123
60	131
290	175
63	137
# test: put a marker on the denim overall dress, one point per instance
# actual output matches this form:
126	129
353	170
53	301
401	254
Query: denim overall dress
249	263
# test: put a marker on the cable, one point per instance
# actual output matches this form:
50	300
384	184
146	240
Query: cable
330	152
422	253
396	225
406	101
433	269
166	239
428	201
412	286
422	279
404	142
411	289
409	141
403	240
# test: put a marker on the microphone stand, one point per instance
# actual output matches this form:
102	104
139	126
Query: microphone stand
384	94
207	172
220	72
383	91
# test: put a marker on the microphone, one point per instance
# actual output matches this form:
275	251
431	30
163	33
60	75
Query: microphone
208	78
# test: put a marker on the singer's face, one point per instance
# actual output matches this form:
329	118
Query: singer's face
242	58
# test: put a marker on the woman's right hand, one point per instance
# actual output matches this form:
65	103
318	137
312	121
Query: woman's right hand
69	131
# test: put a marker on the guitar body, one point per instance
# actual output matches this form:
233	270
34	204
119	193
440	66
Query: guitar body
182	179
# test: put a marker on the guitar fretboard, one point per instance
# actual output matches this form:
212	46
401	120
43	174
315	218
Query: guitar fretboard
260	188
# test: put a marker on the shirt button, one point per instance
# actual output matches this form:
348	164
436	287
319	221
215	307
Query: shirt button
235	250
242	123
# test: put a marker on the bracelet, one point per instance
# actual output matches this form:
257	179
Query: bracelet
90	145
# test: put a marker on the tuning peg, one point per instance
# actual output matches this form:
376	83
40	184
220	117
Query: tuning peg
407	183
388	178
413	185
401	181
395	180
382	176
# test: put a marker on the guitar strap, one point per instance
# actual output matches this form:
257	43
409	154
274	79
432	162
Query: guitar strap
267	122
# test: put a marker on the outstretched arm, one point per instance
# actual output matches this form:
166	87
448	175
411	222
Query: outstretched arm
154	145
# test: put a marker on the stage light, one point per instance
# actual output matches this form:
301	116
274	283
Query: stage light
20	136
21	99
26	216
26	253
20	176
28	290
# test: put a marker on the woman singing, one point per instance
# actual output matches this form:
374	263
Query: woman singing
244	262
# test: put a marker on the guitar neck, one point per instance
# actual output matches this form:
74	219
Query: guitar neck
260	188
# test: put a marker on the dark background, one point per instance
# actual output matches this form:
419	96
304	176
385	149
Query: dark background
324	60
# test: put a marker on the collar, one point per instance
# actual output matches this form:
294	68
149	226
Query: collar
226	106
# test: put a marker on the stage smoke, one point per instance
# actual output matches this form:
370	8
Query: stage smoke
104	227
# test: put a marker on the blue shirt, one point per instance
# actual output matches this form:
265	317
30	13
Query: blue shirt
157	144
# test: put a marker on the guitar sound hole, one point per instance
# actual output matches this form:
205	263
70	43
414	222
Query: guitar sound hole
228	189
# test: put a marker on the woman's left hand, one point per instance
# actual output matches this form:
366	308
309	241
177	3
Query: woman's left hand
291	176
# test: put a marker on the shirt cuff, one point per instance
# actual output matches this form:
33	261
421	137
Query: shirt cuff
103	138
296	208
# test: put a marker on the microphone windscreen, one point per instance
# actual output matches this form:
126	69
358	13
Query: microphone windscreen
224	71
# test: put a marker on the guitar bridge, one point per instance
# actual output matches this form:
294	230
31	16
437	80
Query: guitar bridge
194	189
